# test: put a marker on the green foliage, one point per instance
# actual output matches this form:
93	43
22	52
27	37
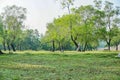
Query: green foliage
1	30
13	18
116	40
86	25
29	40
57	31
109	28
86	31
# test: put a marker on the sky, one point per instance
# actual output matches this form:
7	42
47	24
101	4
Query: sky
41	12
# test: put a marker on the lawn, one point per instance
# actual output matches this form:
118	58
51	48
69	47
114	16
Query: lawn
60	66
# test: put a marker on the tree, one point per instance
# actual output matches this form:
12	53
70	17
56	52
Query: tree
50	35
29	40
58	32
86	30
85	26
116	39
13	18
107	30
62	30
1	32
67	4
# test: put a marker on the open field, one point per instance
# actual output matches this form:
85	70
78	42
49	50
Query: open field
44	65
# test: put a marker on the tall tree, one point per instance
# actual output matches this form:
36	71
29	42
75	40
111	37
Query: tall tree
87	30
13	17
62	30
51	35
67	4
107	30
1	33
116	39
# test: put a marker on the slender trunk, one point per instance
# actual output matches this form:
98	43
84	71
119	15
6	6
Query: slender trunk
108	46
8	46
20	47
109	25
13	47
108	43
116	47
74	41
62	49
78	48
76	44
53	46
59	46
4	46
85	46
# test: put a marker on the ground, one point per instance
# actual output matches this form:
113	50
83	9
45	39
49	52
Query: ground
44	65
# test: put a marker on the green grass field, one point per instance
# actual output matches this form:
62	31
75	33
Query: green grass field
60	66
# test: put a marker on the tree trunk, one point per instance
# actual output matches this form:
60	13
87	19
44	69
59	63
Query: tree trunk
8	46
75	43
20	48
59	46
108	46
62	49
85	46
13	47
53	46
4	46
116	47
78	48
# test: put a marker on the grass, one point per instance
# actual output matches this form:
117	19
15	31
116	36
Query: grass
42	65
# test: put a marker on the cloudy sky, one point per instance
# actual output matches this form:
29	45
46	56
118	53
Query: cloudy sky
40	12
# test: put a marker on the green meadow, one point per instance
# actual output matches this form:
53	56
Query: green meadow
43	65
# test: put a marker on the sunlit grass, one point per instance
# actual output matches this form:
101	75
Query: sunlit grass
58	52
68	65
22	66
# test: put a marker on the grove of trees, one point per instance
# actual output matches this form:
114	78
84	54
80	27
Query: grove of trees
83	28
13	34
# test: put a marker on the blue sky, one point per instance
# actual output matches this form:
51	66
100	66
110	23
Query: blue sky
40	12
